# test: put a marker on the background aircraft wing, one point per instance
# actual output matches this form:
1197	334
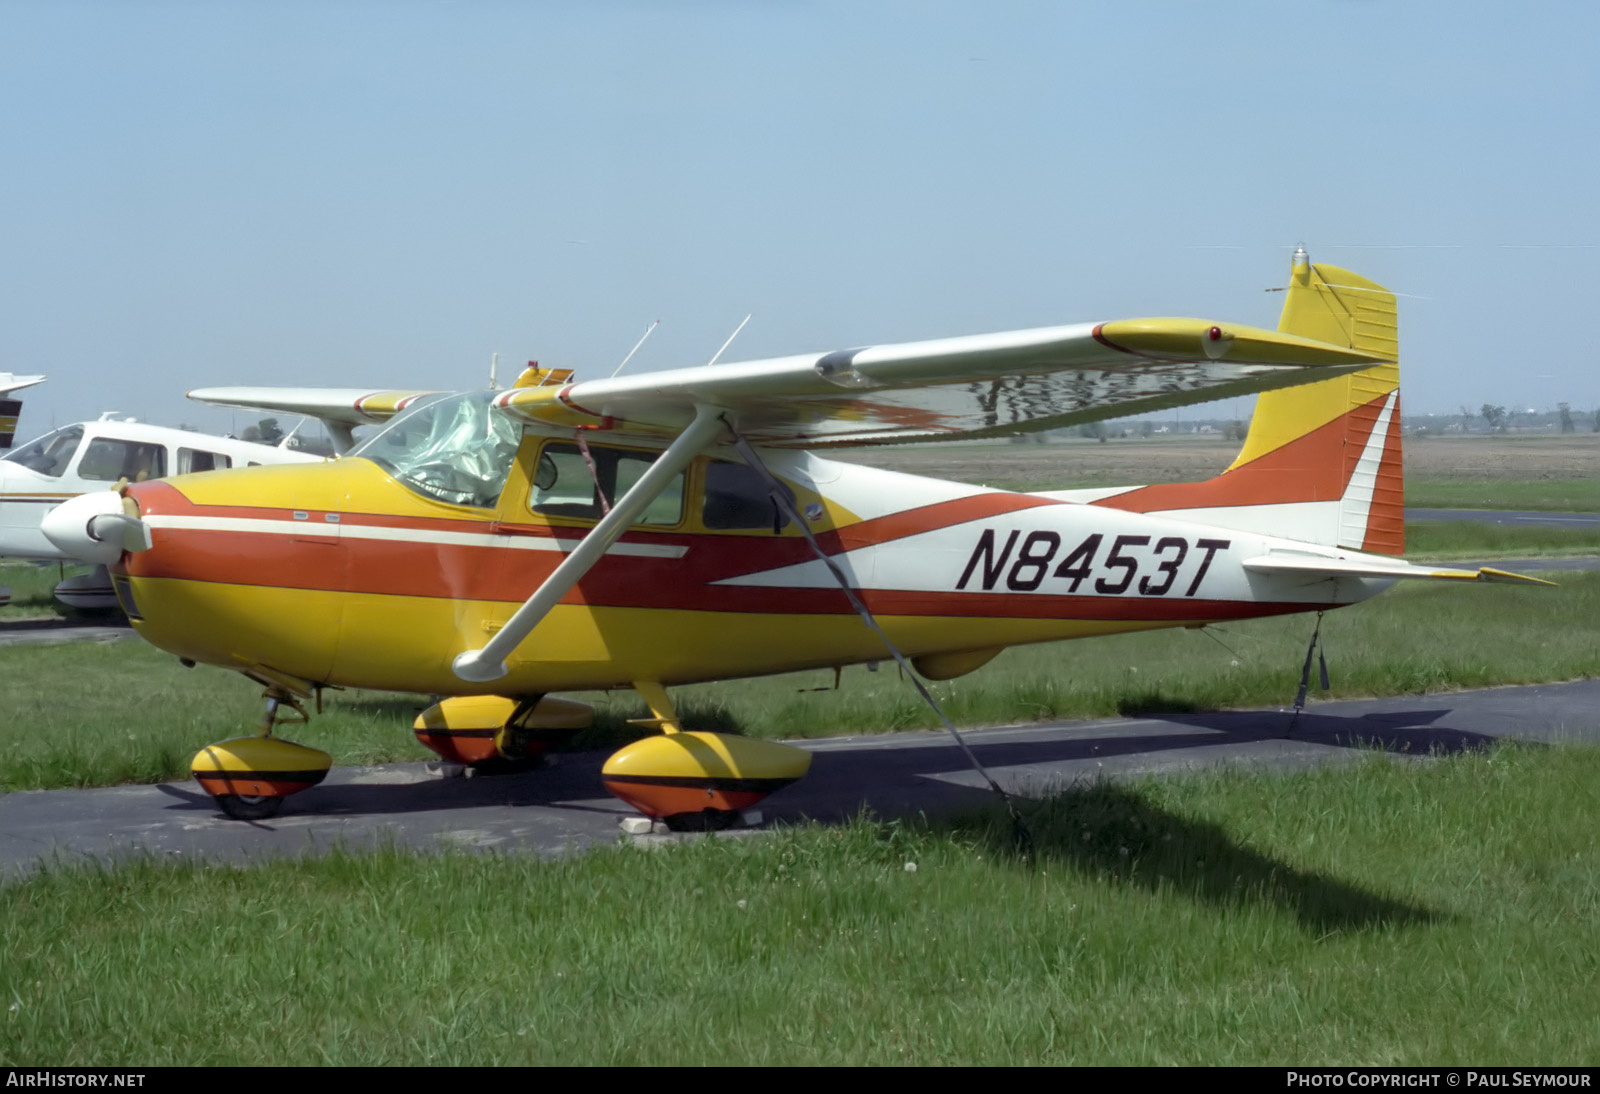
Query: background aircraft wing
341	409
10	381
351	406
954	388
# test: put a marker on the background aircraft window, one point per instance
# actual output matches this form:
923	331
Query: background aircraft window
196	459
50	454
563	485
107	459
736	497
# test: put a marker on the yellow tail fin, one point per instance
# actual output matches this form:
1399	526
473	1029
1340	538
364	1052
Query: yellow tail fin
1321	462
1334	305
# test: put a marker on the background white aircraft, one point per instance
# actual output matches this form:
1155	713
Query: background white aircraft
76	459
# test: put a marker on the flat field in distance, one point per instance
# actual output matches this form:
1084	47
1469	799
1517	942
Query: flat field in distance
1550	471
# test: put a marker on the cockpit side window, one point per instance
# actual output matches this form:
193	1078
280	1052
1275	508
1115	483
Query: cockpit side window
108	459
564	486
50	454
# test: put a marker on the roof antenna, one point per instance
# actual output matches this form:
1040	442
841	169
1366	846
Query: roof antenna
494	370
636	346
729	342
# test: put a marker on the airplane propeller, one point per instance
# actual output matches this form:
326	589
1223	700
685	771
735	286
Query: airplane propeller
97	527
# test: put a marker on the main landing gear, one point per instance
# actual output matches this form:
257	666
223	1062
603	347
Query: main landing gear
696	781
491	735
691	781
250	776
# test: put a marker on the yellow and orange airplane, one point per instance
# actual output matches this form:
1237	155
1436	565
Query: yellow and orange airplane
676	527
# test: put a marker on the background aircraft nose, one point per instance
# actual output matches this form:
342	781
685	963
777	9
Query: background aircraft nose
95	527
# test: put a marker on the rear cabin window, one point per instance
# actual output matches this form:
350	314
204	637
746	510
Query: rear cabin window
737	498
564	486
197	459
107	459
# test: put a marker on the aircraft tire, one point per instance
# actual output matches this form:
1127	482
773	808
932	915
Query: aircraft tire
706	820
249	808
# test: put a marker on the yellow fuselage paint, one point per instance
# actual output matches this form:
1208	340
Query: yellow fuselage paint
337	574
407	643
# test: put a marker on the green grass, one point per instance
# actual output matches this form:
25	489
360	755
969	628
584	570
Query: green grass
1427	539
97	714
1396	914
1578	495
1415	638
32	589
92	714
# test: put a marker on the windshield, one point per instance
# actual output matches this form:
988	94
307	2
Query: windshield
455	448
50	454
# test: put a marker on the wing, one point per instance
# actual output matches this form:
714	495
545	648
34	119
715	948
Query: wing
341	409
954	388
986	385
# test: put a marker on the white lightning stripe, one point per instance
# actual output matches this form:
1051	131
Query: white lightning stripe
1356	505
1087	495
310	528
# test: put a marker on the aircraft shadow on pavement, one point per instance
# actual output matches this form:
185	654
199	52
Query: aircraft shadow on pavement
1409	733
898	777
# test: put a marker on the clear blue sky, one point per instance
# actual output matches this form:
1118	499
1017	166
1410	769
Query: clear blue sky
385	193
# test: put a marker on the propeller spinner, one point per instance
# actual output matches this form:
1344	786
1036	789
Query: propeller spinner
97	527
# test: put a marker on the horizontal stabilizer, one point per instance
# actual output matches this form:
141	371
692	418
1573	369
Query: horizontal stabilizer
1283	562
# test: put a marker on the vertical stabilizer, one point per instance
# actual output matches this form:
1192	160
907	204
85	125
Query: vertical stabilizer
11	408
1321	462
9	411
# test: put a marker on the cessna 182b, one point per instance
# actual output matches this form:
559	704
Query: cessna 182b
662	529
69	461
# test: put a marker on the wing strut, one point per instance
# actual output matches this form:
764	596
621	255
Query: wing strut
785	500
489	663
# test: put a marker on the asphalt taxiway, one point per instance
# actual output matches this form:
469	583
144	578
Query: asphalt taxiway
1509	516
563	808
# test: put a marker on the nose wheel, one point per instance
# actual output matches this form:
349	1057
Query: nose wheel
250	776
